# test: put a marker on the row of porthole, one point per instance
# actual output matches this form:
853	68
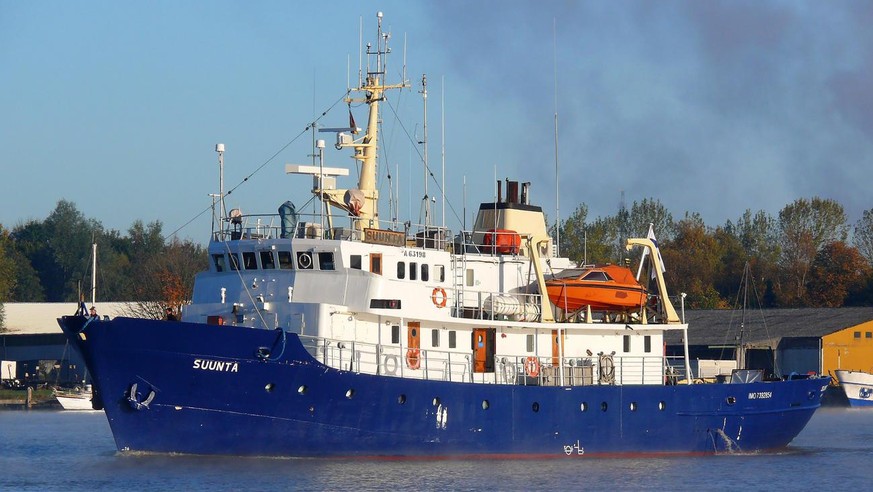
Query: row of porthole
401	399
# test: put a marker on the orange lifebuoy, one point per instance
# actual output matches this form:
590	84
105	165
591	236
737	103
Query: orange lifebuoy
413	358
532	367
439	297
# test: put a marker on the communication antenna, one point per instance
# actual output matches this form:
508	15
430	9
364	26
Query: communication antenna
426	198
557	171
443	143
221	208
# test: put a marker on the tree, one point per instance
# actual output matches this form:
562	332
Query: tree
805	226
838	271
651	211
573	234
692	261
863	237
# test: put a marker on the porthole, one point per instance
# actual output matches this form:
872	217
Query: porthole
731	400
535	407
485	405
603	406
302	389
662	405
401	399
269	387
436	400
583	407
350	393
633	406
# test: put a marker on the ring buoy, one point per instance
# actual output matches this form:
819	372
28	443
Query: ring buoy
390	365
413	358
439	297
532	367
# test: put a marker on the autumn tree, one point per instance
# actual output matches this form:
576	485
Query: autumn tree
863	236
837	271
806	226
691	260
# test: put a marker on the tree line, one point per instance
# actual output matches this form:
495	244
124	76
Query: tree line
50	261
800	258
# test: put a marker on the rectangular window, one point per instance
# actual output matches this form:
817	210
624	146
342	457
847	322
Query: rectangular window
868	335
385	303
626	347
453	339
857	334
355	262
413	270
440	272
401	269
325	261
250	260
285	262
234	261
425	273
395	334
469	277
647	343
218	260
267	262
376	263
435	338
530	343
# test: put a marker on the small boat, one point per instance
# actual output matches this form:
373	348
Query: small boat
607	288
78	398
858	386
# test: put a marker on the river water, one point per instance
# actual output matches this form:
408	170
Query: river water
44	450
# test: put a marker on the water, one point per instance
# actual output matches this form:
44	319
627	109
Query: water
69	451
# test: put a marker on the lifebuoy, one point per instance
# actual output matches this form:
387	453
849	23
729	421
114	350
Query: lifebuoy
532	366
439	297
390	365
413	358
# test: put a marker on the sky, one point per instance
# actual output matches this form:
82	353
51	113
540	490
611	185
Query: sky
708	107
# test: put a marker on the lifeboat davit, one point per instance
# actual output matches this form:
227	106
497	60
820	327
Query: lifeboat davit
609	288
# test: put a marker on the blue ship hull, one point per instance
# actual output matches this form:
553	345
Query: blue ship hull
171	387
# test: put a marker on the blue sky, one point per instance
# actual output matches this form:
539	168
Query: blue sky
710	107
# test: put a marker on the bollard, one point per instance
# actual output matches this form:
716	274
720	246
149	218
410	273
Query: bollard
29	400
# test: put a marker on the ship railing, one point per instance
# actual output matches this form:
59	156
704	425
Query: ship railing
527	370
252	226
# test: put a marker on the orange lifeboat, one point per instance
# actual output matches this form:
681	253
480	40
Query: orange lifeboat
610	288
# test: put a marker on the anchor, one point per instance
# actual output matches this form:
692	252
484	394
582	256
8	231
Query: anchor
133	399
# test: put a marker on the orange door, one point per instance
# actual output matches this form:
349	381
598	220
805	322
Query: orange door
483	349
413	344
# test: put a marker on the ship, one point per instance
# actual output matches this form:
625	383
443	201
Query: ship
858	386
341	335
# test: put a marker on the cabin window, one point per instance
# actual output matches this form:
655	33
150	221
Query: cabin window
234	261
596	276
626	347
857	334
453	339
868	335
469	277
435	338
440	272
355	262
250	260
401	269
376	263
647	343
395	334
425	273
325	261
219	263
267	262
413	270
285	262
530	343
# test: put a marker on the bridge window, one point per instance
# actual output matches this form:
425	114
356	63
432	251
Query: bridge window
218	260
234	261
267	261
355	262
425	274
401	269
250	260
285	262
413	270
325	261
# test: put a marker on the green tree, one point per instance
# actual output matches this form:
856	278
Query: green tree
692	261
806	226
863	236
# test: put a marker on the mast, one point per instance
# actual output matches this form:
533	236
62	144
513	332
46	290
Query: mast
425	199
362	204
93	273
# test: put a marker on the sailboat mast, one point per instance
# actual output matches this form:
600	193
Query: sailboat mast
93	273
